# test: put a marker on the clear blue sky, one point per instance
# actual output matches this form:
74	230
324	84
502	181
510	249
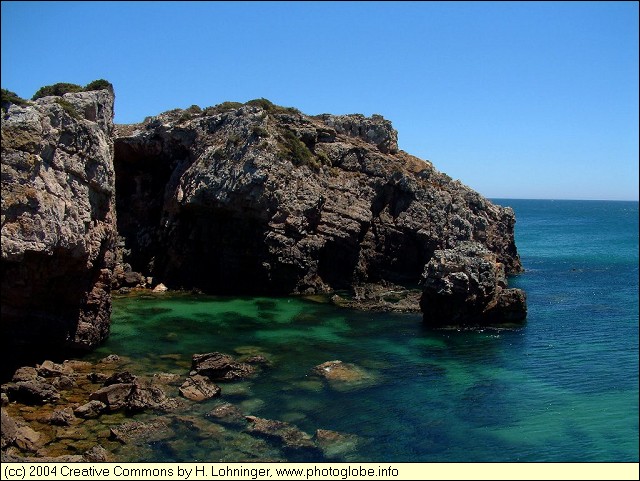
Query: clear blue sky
519	100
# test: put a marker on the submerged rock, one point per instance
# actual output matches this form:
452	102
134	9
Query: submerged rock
345	376
227	414
198	388
134	431
96	454
336	445
286	435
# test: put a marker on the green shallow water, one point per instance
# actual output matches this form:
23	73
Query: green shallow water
562	388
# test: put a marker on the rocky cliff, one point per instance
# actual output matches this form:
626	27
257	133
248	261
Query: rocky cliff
58	222
234	199
257	198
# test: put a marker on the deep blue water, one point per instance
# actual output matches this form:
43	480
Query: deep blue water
562	388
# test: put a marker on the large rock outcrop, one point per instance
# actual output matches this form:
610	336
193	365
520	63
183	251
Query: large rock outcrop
235	199
58	222
257	198
466	285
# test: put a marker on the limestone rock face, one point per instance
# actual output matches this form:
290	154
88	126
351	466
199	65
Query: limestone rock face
58	221
466	285
265	200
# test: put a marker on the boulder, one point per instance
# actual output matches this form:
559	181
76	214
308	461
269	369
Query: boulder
28	439
35	391
287	436
63	383
52	369
220	367
62	417
124	377
26	373
114	396
146	397
130	396
8	430
92	409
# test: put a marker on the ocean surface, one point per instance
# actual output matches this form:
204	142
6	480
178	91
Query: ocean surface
563	388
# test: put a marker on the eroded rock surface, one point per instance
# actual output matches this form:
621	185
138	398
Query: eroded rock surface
467	285
58	222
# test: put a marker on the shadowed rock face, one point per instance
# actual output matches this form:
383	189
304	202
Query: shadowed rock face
58	222
262	199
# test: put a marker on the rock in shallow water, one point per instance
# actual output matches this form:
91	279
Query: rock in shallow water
344	376
288	436
227	414
466	286
220	367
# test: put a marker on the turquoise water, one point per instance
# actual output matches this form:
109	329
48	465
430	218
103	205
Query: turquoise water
563	388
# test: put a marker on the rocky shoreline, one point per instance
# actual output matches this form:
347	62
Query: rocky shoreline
79	411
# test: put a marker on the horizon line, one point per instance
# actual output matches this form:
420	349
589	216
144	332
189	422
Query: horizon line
561	200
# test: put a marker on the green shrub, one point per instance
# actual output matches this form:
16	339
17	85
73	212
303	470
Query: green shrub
270	107
221	108
259	131
8	97
99	84
56	89
184	117
262	102
194	110
234	140
62	88
68	108
323	157
295	150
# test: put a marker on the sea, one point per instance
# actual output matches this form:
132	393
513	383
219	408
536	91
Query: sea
561	388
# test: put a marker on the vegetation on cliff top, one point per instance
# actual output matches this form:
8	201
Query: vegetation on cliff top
9	97
62	88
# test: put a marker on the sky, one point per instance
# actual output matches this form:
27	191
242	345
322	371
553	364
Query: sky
515	99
